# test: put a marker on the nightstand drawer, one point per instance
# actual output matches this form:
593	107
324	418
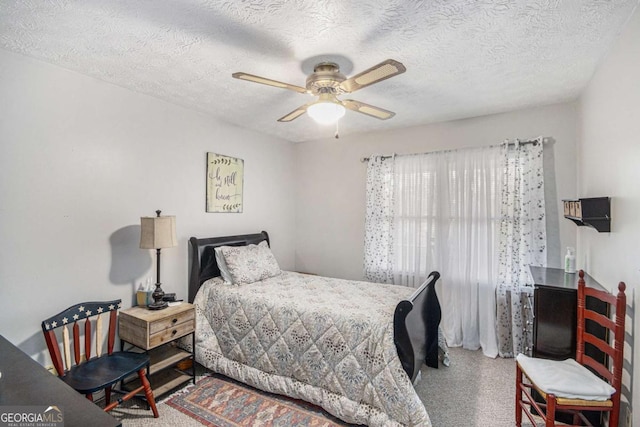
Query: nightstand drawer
172	322
170	331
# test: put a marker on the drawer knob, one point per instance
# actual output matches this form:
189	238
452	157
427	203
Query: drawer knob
174	332
174	320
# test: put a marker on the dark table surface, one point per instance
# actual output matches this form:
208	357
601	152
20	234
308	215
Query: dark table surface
557	278
24	382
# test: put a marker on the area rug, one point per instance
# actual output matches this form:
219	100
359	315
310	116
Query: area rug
221	402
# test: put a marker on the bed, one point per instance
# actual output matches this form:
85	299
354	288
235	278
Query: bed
353	348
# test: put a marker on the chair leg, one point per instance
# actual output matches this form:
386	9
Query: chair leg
550	420
518	396
107	395
148	392
614	416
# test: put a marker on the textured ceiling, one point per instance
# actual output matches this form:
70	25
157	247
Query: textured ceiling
464	58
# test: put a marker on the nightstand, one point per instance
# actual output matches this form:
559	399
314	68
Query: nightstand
156	332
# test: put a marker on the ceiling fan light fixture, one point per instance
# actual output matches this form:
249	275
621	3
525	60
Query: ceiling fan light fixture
326	112
327	82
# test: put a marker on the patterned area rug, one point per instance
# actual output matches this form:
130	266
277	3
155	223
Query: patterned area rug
221	402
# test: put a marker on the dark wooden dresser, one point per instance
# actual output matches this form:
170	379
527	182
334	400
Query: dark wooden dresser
555	314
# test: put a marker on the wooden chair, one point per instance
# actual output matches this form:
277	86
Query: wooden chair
573	387
89	374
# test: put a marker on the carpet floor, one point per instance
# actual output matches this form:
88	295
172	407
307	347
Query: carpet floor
474	391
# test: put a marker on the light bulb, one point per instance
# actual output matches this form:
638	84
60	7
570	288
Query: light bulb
326	112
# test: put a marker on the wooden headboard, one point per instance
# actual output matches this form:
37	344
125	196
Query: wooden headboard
202	260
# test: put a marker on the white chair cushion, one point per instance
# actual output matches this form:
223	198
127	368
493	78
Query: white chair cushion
565	378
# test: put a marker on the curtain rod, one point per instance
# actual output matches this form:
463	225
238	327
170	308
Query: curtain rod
506	141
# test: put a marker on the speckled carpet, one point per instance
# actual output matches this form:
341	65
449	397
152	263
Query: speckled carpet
474	391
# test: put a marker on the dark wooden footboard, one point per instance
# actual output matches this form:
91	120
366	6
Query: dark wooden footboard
415	327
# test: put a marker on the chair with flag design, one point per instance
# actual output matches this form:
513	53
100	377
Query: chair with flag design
87	374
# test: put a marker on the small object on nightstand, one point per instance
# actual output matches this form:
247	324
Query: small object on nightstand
169	297
143	295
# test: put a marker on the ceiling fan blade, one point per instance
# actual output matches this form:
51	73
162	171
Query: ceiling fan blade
375	74
369	110
294	114
268	82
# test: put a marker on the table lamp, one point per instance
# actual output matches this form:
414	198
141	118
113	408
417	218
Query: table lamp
158	232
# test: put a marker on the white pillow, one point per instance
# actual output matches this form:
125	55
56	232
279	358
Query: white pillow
222	265
251	263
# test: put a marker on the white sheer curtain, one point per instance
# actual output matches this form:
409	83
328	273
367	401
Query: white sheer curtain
523	238
444	214
475	215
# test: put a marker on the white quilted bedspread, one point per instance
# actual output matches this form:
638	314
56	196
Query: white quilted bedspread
326	341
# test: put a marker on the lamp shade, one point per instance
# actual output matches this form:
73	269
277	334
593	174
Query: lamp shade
158	232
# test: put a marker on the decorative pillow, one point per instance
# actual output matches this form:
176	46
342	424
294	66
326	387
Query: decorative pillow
222	265
248	264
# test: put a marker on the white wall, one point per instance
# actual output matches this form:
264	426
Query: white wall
609	165
330	191
82	160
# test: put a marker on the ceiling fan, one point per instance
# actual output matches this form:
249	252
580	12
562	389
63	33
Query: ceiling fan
327	83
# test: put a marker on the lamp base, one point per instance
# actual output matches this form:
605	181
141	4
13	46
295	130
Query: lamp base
158	305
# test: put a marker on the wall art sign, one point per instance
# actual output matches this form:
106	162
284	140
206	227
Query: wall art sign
224	183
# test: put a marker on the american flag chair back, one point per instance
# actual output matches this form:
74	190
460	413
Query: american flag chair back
93	371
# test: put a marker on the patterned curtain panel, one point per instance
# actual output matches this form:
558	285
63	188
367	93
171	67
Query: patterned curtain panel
378	244
523	239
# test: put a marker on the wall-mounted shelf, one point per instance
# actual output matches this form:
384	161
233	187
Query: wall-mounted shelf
594	212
